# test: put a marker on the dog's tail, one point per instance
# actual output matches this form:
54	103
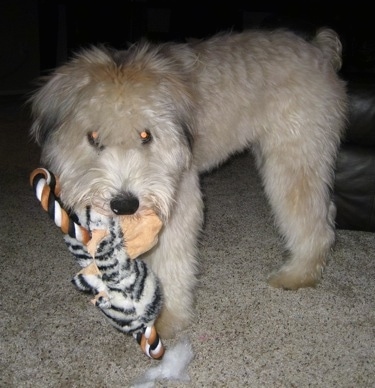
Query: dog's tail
329	42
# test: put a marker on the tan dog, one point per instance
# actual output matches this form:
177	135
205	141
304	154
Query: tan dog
130	131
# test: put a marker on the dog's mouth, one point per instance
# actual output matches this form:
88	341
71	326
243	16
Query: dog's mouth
123	203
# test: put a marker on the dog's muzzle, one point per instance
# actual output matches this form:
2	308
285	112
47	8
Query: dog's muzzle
124	204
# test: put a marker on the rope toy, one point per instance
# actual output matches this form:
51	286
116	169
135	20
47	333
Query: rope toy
46	188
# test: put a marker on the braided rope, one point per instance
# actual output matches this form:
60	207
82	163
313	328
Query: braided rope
46	188
150	342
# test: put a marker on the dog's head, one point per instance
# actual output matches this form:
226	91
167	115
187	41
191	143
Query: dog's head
116	127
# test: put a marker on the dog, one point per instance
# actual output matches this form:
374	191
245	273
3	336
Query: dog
128	130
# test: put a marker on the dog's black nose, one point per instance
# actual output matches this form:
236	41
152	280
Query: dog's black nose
124	204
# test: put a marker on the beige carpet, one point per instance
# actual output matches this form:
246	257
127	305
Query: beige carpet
246	334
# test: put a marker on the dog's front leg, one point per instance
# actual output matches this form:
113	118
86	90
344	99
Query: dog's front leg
174	259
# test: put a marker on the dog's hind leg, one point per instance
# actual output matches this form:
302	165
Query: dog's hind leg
297	181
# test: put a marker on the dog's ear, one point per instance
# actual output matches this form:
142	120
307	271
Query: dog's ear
52	102
57	94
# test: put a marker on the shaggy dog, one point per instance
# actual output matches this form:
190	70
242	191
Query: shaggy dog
129	131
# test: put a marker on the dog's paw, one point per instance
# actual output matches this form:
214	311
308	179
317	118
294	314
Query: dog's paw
293	280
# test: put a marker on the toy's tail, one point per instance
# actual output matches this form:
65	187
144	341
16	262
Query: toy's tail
46	189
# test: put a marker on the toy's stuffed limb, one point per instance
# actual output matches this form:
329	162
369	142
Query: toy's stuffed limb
90	278
97	235
93	283
140	232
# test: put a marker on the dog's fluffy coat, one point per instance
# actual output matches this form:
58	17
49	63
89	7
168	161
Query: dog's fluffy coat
198	103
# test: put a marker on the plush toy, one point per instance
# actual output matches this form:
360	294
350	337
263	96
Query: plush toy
126	290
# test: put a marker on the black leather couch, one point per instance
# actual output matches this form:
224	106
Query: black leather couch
354	189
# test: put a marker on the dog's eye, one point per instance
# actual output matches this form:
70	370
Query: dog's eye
93	138
145	136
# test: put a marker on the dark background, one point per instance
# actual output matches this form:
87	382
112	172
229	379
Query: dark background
36	36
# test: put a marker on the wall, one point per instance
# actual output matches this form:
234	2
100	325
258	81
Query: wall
19	47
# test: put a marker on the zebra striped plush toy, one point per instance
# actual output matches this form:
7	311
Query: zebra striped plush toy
126	290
